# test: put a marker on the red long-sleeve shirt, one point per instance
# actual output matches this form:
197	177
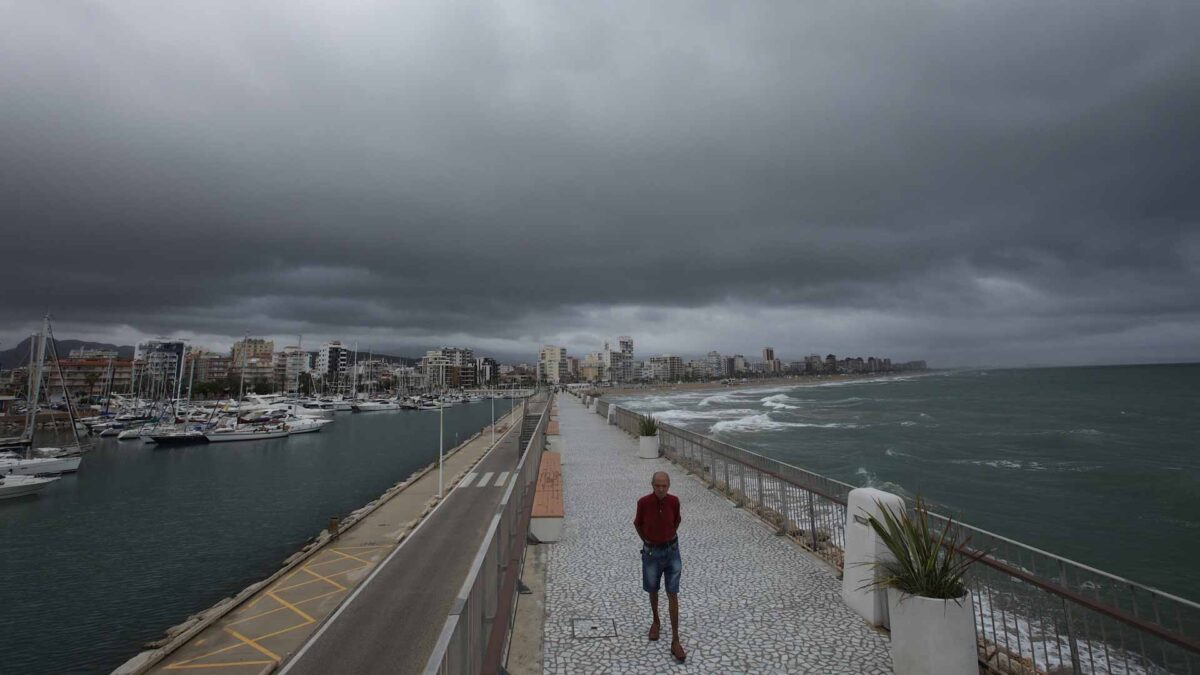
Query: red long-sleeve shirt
657	519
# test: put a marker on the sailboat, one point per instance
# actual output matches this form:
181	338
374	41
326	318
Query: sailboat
43	461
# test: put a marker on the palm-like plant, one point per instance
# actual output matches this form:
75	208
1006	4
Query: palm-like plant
926	563
648	426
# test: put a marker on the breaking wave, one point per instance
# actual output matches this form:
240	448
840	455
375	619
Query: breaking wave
763	422
679	415
779	402
717	398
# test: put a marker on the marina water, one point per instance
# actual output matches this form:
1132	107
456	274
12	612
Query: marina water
140	538
1101	465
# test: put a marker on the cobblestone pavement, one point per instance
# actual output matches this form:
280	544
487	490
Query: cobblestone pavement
750	602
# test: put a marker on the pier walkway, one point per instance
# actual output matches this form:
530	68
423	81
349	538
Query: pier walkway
750	602
393	627
416	582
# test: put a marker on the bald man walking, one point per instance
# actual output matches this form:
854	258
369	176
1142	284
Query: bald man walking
656	522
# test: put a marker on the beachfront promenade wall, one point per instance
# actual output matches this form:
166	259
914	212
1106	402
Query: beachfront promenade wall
1034	611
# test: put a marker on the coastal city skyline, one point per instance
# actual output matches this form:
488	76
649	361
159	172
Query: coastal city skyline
338	367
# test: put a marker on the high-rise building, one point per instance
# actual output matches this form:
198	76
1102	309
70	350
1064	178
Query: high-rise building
831	364
436	367
739	364
626	344
768	354
162	358
667	368
211	367
333	361
289	365
462	363
716	364
252	348
487	371
552	364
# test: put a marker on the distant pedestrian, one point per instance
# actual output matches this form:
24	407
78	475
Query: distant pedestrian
656	522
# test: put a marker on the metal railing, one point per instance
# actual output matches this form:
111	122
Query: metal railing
473	638
1035	612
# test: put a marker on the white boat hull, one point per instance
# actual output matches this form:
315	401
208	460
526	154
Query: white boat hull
307	426
40	466
20	486
227	436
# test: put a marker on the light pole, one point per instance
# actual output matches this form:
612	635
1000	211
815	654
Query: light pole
441	433
493	418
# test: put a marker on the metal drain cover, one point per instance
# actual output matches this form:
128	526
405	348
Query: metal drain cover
593	628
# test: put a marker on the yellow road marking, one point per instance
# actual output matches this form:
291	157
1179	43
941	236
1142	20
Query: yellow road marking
263	650
322	577
294	608
229	664
351	557
325	578
280	609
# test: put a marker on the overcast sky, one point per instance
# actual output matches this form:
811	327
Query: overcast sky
973	183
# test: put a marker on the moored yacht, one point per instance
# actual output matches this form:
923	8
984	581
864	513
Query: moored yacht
306	425
374	406
247	433
13	464
12	486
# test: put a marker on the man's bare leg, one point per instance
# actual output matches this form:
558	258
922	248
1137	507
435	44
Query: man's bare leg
673	608
654	627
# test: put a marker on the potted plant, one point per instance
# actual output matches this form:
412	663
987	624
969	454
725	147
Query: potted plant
648	441
929	607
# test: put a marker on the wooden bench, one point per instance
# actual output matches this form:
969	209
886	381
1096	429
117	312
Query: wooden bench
546	520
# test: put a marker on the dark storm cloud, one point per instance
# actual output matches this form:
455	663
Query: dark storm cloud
999	183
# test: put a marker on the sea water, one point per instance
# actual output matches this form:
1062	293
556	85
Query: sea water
1099	464
107	559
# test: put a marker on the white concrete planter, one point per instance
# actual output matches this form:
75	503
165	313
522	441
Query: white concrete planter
648	447
931	635
612	414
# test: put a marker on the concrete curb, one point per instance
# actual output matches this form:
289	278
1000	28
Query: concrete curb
145	660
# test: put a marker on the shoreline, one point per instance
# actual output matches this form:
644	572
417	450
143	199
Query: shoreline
794	380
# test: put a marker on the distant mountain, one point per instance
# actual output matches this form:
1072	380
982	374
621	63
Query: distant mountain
398	360
19	355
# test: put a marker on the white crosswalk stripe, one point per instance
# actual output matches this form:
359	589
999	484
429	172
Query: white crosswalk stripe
487	477
466	481
500	479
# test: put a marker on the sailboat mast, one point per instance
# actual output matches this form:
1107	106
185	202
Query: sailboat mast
354	375
37	354
63	381
242	387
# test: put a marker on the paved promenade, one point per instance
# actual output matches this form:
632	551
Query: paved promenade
277	620
750	602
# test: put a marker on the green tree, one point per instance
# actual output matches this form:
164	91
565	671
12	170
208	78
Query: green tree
91	379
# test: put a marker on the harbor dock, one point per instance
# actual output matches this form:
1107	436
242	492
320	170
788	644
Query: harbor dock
272	619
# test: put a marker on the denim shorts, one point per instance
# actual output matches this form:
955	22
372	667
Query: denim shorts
657	562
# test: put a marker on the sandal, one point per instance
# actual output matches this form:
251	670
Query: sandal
678	653
654	632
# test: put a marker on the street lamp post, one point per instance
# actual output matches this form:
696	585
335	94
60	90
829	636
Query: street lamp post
441	434
493	418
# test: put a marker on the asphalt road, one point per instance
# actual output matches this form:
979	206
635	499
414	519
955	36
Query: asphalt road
392	625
